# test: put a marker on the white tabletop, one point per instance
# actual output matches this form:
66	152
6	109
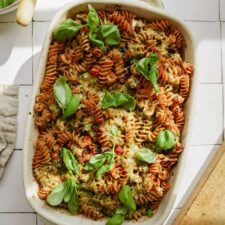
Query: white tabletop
19	52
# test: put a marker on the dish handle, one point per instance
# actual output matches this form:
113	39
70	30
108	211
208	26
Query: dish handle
157	3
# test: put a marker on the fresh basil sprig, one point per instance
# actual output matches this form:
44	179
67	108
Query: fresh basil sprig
165	140
64	97
126	197
100	34
70	161
66	30
72	107
92	18
57	195
103	169
67	192
118	100
62	92
119	217
150	213
151	74
97	162
73	202
70	188
116	219
122	210
110	34
94	37
145	155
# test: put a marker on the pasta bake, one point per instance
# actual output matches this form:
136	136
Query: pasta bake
110	114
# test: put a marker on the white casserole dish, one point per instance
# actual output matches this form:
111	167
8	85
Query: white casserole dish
59	216
9	8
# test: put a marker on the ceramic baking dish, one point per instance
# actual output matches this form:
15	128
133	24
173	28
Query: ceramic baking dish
142	9
9	8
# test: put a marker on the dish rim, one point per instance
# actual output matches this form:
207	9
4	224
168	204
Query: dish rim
9	8
42	61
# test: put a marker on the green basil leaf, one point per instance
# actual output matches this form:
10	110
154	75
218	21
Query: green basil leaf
66	30
150	213
70	189
89	167
94	38
73	203
110	34
109	99
165	140
146	155
109	155
70	161
72	106
95	162
103	169
153	58
122	210
118	100
142	67
114	131
96	158
92	19
126	197
153	77
62	92
116	219
57	195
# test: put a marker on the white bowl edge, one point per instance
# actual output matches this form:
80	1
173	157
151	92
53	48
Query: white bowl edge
9	8
30	184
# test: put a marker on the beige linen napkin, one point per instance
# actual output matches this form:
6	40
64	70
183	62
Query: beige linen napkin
8	122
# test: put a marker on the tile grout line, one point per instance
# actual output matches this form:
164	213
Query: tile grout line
219	9
186	20
25	85
18	212
222	74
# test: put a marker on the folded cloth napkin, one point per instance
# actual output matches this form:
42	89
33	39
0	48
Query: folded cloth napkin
8	122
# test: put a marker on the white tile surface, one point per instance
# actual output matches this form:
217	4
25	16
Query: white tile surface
24	96
45	12
42	221
208	50
208	125
17	219
197	159
203	10
222	10
39	31
11	187
223	48
9	17
15	54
